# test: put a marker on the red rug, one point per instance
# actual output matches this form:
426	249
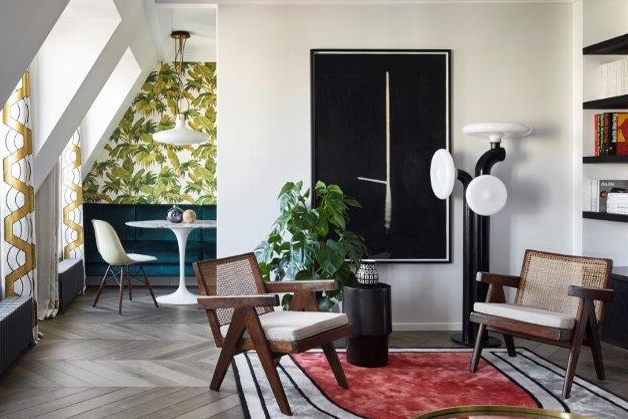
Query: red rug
413	383
417	381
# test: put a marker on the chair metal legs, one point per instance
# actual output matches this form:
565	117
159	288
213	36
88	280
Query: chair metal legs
121	277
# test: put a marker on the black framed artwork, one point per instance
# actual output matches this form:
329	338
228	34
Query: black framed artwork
378	116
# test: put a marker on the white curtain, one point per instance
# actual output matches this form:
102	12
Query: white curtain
18	203
72	199
47	228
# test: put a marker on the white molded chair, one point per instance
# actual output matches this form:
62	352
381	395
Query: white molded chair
111	250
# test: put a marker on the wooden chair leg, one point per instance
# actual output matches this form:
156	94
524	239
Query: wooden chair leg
336	366
235	332
510	346
576	345
102	285
593	335
254	328
150	289
477	351
128	280
121	290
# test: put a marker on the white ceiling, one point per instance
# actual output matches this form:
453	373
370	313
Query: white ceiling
198	19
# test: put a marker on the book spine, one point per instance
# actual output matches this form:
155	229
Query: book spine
606	125
604	77
596	135
613	134
600	130
596	196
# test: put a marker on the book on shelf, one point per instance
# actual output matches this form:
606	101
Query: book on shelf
614	77
610	134
606	196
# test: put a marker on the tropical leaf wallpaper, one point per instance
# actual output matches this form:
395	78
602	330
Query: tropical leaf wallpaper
134	169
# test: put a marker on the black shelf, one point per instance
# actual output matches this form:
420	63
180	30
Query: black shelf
615	102
604	159
617	45
605	216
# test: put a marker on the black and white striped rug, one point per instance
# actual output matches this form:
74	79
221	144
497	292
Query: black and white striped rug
311	396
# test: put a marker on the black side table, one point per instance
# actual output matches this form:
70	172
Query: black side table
368	309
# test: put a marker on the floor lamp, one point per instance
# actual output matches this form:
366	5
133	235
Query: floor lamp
484	195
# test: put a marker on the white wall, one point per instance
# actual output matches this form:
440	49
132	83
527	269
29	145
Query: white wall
510	62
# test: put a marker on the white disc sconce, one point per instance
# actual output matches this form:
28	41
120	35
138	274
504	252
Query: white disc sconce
486	195
442	174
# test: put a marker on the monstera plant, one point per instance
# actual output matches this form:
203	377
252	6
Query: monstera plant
312	242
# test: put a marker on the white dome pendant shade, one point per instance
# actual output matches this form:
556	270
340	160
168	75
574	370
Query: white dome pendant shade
180	134
442	173
486	195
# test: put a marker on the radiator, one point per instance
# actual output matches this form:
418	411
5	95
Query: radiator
71	280
16	328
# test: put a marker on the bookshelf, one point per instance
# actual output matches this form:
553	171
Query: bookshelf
605	216
614	102
613	46
604	159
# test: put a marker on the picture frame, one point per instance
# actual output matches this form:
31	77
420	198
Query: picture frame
377	117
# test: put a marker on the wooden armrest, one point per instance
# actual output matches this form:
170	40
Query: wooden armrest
498	279
212	302
294	286
600	294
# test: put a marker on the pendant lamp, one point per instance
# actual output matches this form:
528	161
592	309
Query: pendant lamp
180	134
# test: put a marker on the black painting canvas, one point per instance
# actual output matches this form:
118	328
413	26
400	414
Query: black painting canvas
377	119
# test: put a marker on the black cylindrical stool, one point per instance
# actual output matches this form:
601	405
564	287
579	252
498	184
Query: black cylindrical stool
368	309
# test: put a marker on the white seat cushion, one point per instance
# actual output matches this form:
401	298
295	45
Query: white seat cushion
138	258
527	314
296	325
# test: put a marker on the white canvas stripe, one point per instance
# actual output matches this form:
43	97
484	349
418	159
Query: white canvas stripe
547	399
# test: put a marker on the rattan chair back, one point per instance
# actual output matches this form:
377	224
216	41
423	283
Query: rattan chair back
546	277
236	275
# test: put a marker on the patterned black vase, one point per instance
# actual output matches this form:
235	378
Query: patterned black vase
367	273
175	214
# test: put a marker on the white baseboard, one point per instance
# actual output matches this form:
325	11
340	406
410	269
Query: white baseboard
420	326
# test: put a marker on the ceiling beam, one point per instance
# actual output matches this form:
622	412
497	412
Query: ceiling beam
24	26
131	13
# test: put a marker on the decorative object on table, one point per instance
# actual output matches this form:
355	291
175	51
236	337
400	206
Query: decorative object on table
423	380
483	196
312	241
367	272
245	305
379	150
189	216
111	250
369	312
560	300
180	134
175	214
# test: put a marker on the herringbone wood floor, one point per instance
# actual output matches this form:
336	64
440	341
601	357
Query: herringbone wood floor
157	363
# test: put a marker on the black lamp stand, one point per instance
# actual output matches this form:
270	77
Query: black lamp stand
476	250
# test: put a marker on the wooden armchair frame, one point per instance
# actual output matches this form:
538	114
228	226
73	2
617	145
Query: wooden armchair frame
586	330
245	318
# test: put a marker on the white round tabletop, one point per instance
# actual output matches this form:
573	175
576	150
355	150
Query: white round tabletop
168	224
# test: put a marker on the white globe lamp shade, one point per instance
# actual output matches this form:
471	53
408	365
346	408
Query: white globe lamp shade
180	134
495	131
442	173
486	195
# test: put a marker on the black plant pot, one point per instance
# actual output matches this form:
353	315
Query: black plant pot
368	309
